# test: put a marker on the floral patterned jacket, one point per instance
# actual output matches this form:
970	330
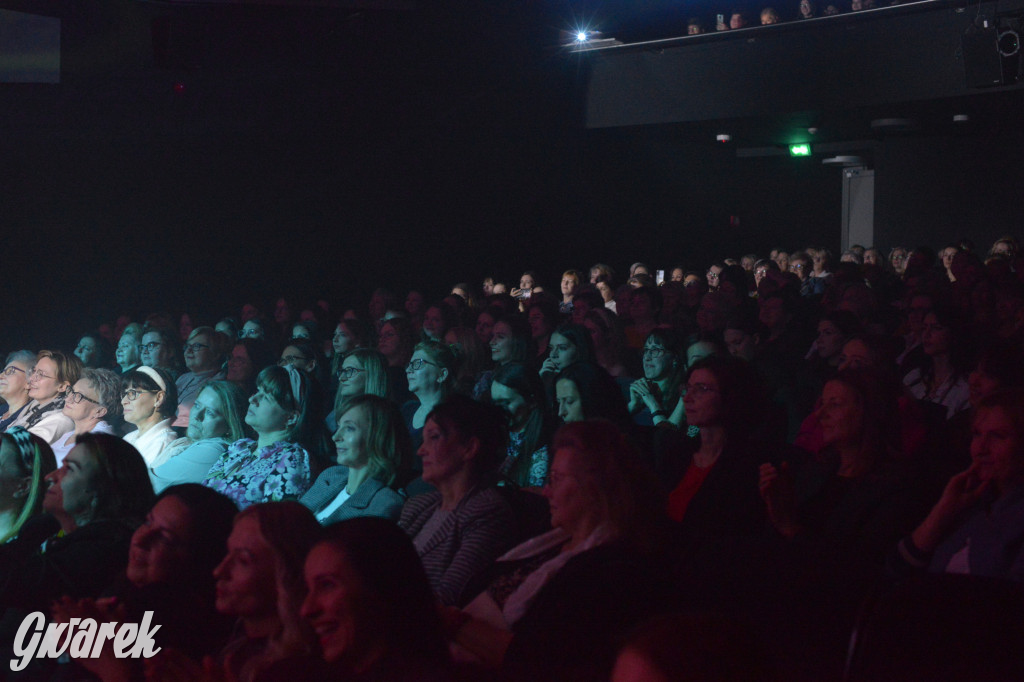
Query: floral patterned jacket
249	474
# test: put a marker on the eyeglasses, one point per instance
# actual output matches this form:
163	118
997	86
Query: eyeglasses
712	275
37	373
151	346
417	364
346	373
133	393
654	353
194	347
290	359
73	397
700	389
11	369
249	333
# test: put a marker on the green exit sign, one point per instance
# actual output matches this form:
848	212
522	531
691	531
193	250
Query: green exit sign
799	150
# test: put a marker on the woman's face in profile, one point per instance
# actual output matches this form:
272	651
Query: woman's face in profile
350	438
247	578
332	600
159	549
351	378
841	414
342	341
501	343
11	483
71	490
996	448
444	455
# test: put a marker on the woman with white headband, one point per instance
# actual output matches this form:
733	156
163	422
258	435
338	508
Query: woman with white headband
150	402
286	412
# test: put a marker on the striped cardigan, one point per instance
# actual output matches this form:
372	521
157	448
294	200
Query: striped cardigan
480	529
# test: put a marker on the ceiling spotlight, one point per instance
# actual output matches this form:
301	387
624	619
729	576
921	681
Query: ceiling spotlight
581	37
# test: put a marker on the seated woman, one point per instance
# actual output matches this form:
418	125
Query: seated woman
537	618
943	378
285	415
653	398
247	359
364	371
485	321
94	502
430	374
364	573
150	403
205	351
823	359
25	460
170	573
160	347
216	421
48	383
90	403
712	480
459	529
609	341
510	342
542	314
644	310
14	385
260	582
349	335
520	393
585	391
395	344
373	450
438	318
474	358
127	355
855	502
305	357
569	343
977	526
93	350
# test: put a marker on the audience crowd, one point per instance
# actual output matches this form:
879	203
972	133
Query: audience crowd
649	475
738	17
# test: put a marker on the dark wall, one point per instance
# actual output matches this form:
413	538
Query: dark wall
934	191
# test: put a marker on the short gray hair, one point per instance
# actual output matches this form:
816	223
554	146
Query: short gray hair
25	356
108	385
